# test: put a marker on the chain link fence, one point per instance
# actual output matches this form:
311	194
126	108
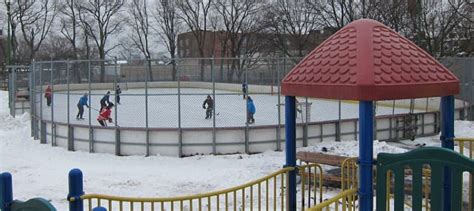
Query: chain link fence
168	96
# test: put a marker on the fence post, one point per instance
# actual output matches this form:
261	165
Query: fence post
32	107
305	123
247	127
214	150
42	129
70	137
338	125
53	127
278	68
13	90
76	190
117	129
91	131
147	135
6	191
180	130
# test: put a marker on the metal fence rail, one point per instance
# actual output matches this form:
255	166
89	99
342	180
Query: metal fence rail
266	193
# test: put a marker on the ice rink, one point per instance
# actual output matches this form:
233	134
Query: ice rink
163	108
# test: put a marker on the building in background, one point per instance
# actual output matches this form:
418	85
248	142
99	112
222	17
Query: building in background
253	45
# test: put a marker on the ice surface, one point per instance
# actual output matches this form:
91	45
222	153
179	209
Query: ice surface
163	108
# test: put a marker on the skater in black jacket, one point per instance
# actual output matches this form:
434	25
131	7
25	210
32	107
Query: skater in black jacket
118	91
210	105
104	102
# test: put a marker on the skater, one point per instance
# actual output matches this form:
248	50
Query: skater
104	102
47	95
210	105
298	107
118	91
80	105
105	115
244	89
250	110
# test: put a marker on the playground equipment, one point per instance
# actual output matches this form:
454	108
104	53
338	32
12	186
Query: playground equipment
267	193
367	61
8	204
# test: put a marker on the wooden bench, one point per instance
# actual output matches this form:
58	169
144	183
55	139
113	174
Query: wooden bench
321	158
330	178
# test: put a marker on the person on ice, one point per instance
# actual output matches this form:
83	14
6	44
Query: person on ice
80	105
104	102
118	91
47	95
104	115
210	105
250	110
244	89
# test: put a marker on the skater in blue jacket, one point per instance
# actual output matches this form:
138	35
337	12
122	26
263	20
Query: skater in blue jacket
80	105
250	110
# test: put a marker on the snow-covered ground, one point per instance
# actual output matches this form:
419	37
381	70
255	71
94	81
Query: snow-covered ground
41	170
163	108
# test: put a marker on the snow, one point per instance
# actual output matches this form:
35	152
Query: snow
163	108
41	170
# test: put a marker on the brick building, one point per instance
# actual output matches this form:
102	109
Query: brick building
258	43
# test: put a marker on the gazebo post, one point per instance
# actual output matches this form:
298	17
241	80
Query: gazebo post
366	125
290	145
447	141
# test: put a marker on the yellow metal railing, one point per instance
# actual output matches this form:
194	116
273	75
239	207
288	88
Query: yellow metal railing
266	193
344	201
311	184
349	179
466	147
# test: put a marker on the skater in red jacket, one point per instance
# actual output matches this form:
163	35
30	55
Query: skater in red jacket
47	95
105	115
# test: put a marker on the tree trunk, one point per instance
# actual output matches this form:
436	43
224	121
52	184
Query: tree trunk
150	72
102	64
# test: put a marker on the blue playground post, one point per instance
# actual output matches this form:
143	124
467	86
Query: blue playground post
99	209
366	137
447	141
75	190
290	133
6	191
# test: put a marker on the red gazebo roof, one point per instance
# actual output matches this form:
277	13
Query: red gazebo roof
366	60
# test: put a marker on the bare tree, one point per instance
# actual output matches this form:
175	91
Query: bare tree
195	14
292	25
240	21
70	29
69	23
11	16
141	30
394	14
35	18
101	19
169	27
435	24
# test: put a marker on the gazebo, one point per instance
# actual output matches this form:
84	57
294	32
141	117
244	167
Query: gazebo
367	61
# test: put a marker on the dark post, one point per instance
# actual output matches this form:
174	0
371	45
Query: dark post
6	191
290	133
366	127
447	141
75	190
